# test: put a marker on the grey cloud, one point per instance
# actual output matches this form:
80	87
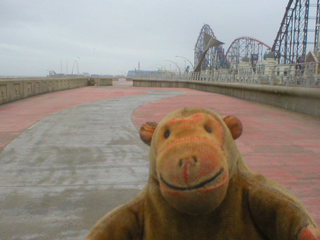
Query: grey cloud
112	36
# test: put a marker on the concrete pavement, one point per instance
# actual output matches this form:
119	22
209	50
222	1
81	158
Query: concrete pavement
69	157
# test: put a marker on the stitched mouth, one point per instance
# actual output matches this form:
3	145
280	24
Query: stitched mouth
200	185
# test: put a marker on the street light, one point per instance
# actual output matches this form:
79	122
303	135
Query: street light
176	65
188	61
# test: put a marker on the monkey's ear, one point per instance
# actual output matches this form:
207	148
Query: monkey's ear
234	125
146	132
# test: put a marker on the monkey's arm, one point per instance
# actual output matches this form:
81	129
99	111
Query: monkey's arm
280	216
124	222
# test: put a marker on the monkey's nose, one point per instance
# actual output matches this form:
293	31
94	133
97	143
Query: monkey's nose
191	161
187	166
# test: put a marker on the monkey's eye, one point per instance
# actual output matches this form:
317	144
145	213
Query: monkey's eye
167	133
207	128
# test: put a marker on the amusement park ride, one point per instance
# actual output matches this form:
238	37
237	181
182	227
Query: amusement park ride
290	44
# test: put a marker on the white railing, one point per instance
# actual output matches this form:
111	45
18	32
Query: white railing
299	75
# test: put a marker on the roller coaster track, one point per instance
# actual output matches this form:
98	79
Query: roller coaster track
215	57
290	44
246	47
240	48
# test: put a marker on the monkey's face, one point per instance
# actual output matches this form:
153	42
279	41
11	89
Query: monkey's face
191	165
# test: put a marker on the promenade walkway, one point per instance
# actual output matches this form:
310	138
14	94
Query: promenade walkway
69	157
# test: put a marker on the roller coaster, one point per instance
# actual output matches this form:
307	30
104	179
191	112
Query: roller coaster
290	44
215	57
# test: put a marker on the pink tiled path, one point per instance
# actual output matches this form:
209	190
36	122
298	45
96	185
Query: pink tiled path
280	144
18	116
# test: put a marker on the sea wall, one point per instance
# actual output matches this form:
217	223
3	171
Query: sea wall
299	99
12	89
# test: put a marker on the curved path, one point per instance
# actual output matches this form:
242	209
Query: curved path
69	157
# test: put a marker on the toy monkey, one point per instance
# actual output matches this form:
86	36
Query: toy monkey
199	187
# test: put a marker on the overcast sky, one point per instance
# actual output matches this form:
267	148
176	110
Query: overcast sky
112	36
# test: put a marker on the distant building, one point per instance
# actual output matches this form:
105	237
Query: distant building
149	74
313	57
139	73
267	65
245	66
54	74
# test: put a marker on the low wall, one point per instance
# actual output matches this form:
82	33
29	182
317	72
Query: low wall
303	100
103	81
12	89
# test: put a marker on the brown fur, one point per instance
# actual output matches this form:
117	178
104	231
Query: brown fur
188	148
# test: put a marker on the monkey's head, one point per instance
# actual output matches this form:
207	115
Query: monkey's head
192	157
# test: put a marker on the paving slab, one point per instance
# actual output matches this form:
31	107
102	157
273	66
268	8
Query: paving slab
76	154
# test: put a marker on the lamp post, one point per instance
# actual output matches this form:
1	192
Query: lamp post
176	65
188	61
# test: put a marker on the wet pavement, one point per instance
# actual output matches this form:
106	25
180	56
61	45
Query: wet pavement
69	157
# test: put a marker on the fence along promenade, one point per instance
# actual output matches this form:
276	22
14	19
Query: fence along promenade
295	87
293	75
